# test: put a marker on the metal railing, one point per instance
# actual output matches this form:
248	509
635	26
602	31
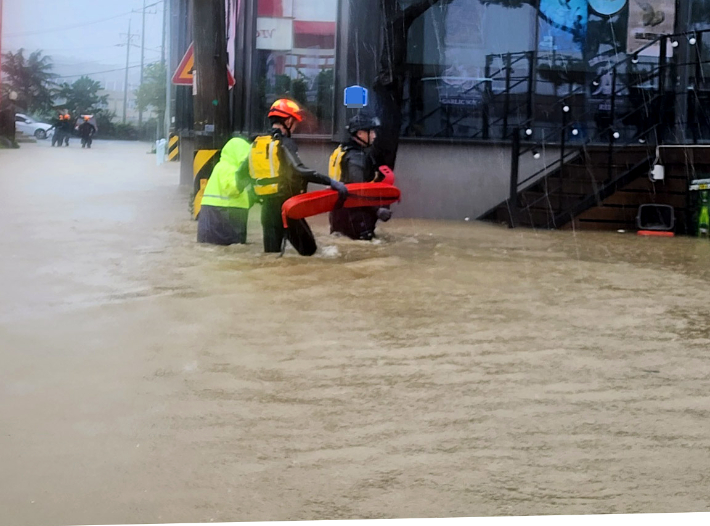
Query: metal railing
652	109
503	74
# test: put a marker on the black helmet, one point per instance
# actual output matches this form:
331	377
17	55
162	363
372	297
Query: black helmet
363	121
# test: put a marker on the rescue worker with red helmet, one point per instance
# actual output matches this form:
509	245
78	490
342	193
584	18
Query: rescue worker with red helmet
67	129
86	132
278	174
58	126
353	162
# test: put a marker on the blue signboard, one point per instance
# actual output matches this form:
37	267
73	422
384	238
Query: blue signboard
355	97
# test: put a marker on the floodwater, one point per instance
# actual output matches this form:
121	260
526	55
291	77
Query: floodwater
449	369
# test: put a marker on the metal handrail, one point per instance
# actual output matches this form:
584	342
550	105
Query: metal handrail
489	80
566	157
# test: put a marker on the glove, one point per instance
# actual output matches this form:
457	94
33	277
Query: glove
340	188
384	214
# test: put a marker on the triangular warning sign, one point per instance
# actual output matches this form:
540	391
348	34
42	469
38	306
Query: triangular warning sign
183	74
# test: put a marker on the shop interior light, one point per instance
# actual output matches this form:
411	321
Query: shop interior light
575	131
674	43
536	153
635	59
565	108
528	132
595	82
616	135
692	40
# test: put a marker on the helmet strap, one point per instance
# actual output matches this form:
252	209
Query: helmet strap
360	141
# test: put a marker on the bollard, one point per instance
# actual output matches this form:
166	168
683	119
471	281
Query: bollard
174	148
160	152
203	164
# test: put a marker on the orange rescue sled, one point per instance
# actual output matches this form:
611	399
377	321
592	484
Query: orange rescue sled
322	201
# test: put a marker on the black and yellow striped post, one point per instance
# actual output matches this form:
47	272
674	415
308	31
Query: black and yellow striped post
204	163
174	148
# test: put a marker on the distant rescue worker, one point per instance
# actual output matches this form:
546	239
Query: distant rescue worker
58	127
67	129
353	162
86	132
279	174
225	204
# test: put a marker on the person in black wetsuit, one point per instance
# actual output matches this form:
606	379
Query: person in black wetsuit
279	174
353	162
67	129
58	126
86	132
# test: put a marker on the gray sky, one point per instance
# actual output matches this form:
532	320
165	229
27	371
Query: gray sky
76	31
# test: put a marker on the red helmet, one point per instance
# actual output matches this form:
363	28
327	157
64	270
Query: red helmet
285	108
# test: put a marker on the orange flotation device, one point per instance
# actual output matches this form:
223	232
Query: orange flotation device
323	201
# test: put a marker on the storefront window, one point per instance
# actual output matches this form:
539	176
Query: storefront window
457	59
295	58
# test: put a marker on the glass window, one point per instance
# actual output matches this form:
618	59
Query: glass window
295	58
459	57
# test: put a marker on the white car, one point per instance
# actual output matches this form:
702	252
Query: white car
29	126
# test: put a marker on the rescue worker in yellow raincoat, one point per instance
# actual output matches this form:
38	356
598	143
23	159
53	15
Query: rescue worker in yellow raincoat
278	174
225	204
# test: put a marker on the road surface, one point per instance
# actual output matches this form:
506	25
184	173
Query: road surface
446	370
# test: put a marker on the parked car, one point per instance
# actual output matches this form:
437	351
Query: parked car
29	126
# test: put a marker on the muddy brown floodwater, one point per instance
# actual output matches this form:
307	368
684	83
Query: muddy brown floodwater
450	369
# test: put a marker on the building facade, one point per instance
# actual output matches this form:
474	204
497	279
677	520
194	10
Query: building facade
478	71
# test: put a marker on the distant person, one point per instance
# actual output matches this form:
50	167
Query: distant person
224	211
86	132
279	174
58	127
353	162
67	129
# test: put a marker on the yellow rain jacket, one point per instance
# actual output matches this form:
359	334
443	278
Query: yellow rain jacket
227	184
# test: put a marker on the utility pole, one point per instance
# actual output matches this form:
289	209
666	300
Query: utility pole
212	119
140	110
166	61
165	30
125	84
0	46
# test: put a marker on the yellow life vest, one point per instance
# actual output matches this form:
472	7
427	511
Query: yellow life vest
264	165
335	166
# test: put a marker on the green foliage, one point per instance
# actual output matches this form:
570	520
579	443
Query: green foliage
31	78
104	119
108	129
82	96
151	94
125	132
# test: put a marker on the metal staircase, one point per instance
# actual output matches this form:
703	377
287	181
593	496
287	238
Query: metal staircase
587	168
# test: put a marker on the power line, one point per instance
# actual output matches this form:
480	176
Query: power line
98	72
74	26
83	48
65	28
